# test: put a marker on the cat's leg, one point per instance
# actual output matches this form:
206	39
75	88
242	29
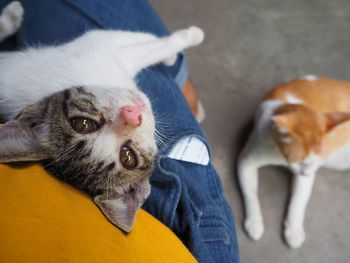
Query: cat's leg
294	230
248	167
138	38
137	56
141	38
10	19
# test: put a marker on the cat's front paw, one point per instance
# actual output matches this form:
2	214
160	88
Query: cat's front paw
170	61
254	227
294	236
12	16
193	36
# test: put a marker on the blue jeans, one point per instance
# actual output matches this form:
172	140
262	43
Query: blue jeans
187	197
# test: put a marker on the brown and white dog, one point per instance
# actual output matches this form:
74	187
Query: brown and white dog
303	124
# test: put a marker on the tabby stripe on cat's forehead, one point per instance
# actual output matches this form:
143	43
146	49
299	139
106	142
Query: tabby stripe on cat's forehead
82	153
110	167
66	137
107	168
83	105
82	91
80	145
99	166
64	102
85	155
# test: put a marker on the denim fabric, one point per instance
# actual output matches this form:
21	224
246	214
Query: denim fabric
187	197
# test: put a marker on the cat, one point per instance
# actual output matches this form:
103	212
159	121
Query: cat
303	125
77	108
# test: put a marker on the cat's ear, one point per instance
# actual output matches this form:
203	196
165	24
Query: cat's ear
121	208
336	118
281	120
338	125
20	137
282	124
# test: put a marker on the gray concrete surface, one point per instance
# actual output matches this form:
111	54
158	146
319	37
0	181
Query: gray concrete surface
250	46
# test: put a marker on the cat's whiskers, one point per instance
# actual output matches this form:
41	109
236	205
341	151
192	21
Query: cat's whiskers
161	140
109	184
165	121
73	159
162	136
153	101
61	157
163	126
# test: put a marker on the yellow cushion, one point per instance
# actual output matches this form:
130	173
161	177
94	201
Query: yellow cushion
45	220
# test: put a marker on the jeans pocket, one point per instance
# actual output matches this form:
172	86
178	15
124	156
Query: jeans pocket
217	239
214	230
211	220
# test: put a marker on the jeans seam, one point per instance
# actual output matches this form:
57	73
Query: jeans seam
176	195
182	74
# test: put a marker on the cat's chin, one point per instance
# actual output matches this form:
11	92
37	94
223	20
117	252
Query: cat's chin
141	187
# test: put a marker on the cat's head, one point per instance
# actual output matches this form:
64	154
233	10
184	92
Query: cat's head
303	134
99	140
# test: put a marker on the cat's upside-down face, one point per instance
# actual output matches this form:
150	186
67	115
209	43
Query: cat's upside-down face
100	140
96	145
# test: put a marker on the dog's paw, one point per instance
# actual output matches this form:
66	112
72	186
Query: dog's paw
192	36
294	236
254	227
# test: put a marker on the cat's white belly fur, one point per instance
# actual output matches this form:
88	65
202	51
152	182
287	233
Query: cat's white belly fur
99	58
340	159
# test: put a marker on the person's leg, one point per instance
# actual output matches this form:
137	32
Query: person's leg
185	196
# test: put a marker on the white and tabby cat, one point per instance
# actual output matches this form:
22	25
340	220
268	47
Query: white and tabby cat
77	107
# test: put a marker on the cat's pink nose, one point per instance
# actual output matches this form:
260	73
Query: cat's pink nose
132	115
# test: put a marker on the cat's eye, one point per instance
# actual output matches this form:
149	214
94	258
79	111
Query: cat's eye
84	125
128	157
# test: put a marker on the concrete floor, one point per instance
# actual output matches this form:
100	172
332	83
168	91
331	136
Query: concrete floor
251	46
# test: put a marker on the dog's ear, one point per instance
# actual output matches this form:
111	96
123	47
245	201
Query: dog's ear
21	137
121	208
